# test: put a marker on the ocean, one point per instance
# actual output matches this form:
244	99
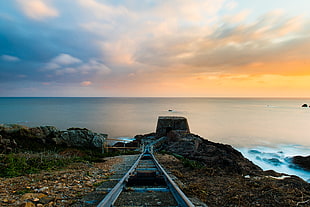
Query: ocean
268	131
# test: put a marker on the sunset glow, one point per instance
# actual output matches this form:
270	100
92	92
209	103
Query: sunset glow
221	48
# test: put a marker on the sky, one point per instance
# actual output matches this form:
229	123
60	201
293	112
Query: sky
155	48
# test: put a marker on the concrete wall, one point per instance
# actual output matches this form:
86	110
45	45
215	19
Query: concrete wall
175	123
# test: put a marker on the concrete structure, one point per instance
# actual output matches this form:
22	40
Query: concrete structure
165	124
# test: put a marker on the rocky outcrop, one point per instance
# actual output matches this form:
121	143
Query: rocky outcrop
35	138
303	162
7	145
304	105
220	157
76	137
179	141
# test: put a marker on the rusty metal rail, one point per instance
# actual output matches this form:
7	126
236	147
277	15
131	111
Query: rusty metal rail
146	176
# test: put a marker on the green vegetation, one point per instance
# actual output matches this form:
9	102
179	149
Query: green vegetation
22	192
12	165
192	164
99	183
23	163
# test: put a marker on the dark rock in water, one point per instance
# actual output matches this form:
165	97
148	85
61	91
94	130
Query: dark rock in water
223	158
254	152
303	162
304	105
273	161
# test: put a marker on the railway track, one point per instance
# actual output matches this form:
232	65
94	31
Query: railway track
146	184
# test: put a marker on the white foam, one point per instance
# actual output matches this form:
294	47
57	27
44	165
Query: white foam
278	158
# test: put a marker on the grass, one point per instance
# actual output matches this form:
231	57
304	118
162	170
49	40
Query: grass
99	183
192	164
23	163
13	165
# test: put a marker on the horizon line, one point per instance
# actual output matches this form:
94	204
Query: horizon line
244	97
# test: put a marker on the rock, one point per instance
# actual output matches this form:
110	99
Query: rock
43	189
98	140
7	145
37	138
223	158
46	199
32	196
11	128
76	137
28	204
273	161
304	105
303	162
27	138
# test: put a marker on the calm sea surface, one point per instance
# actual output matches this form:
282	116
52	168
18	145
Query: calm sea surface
266	125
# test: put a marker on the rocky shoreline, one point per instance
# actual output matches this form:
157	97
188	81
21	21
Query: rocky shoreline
215	173
220	176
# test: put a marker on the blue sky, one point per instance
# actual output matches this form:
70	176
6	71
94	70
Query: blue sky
154	48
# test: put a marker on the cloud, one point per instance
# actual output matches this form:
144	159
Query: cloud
237	18
65	59
122	43
86	83
104	11
37	9
273	37
67	65
61	60
9	58
94	65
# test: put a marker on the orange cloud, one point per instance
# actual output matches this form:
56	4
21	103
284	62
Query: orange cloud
37	9
86	83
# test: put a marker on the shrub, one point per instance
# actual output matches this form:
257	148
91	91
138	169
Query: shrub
13	165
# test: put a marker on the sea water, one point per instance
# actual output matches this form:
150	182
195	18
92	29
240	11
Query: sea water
266	131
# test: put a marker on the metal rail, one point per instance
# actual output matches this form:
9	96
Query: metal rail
175	190
146	169
111	197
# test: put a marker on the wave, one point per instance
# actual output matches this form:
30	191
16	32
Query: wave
278	158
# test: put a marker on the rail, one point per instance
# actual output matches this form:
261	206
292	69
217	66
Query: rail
145	172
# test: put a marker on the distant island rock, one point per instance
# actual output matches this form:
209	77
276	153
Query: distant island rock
304	105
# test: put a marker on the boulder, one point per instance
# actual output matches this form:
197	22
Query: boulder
303	162
7	145
37	138
304	105
76	137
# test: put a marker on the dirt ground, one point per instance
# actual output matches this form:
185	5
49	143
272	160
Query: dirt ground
272	189
55	188
68	186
